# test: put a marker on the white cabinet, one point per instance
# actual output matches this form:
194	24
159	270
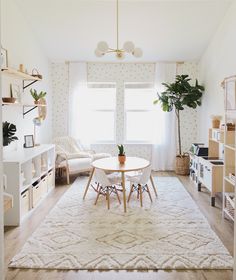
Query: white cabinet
29	173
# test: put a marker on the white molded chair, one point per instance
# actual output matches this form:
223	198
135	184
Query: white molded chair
139	183
72	157
106	184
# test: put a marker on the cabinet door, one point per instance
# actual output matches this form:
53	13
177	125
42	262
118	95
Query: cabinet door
208	176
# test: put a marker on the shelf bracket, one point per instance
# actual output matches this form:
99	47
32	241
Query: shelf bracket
26	112
28	85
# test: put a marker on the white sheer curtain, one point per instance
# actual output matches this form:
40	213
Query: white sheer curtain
78	113
164	147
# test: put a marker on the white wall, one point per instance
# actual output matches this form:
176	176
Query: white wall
218	62
21	43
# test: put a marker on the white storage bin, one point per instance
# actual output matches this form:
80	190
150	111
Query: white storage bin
36	190
44	186
50	180
24	203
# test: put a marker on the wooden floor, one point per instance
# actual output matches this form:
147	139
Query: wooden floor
16	237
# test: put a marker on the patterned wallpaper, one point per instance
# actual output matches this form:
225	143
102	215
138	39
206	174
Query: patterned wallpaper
119	73
60	88
189	126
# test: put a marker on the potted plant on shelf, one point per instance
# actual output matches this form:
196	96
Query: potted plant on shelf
121	155
8	135
37	96
177	96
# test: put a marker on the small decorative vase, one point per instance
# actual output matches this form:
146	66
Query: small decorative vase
122	159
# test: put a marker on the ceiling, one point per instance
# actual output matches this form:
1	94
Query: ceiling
165	30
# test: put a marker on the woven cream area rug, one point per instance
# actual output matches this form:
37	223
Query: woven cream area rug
170	233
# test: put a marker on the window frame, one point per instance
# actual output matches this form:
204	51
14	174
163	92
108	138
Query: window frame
149	86
105	85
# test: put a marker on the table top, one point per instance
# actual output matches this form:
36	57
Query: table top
112	164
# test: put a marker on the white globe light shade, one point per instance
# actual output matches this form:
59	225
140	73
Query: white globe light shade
98	53
102	47
129	46
120	55
137	52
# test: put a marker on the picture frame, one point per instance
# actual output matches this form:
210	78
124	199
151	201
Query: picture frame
29	141
230	95
4	58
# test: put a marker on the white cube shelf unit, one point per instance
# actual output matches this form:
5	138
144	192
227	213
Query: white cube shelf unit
30	177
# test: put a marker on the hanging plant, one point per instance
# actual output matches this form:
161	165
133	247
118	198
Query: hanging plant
8	132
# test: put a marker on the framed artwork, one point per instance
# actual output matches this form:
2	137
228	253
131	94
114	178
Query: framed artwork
4	58
230	88
29	141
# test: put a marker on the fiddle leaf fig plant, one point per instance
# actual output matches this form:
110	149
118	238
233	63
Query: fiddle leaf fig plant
37	96
8	132
179	95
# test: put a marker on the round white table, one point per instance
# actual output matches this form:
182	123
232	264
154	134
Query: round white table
112	164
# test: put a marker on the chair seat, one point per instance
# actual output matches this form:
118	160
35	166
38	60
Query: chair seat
100	155
114	178
133	178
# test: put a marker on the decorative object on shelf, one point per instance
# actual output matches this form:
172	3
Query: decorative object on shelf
35	73
37	123
230	126
29	141
37	96
4	58
22	68
42	109
177	96
216	121
8	133
128	47
230	93
10	99
121	155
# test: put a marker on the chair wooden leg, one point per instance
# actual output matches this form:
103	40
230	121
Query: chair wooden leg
108	199
67	175
130	193
99	192
141	195
118	197
153	185
148	191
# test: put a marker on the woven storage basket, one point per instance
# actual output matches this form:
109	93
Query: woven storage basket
182	165
229	204
215	123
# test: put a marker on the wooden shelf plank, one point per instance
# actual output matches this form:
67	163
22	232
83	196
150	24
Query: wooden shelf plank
8	201
231	147
20	75
230	181
23	105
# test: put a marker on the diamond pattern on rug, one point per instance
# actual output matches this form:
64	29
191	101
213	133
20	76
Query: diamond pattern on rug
170	233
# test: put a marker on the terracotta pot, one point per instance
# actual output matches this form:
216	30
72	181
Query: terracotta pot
122	159
37	102
9	99
182	164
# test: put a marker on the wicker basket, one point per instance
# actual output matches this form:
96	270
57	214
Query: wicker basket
215	123
182	165
229	204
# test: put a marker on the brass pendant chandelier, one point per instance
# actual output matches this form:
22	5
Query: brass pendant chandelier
128	47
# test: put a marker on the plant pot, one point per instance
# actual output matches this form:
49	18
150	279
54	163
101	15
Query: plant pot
37	102
9	99
215	123
182	165
122	159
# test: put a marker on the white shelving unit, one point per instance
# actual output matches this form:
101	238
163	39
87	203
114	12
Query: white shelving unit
30	176
229	85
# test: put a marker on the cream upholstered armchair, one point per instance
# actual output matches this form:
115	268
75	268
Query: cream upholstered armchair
72	158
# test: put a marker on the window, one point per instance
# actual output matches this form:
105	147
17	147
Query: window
101	119
139	112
